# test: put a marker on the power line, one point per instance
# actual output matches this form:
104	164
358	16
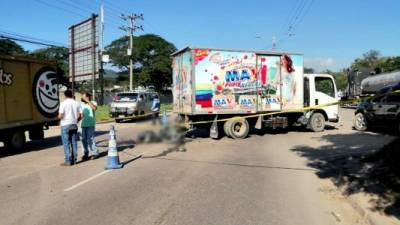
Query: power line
27	41
59	8
23	36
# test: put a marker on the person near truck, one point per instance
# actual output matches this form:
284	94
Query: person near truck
155	109
88	123
69	114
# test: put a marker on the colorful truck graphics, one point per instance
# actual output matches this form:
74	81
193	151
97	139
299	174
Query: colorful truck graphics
227	81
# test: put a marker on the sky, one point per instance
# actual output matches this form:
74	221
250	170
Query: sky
330	34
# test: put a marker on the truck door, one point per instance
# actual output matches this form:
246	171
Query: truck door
269	85
325	93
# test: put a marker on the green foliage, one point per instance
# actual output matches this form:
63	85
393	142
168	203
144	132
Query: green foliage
166	107
57	55
308	70
151	58
369	59
103	113
9	47
388	64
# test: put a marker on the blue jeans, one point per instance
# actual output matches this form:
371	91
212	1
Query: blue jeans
88	134
69	134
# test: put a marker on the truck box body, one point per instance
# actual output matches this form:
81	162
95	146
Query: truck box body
217	81
28	93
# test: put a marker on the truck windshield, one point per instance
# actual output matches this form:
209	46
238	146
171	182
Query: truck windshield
325	85
126	97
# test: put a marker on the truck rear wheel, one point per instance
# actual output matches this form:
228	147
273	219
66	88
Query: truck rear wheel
317	122
15	140
238	128
360	122
227	125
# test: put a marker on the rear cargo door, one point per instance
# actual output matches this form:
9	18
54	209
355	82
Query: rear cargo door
18	95
269	85
177	84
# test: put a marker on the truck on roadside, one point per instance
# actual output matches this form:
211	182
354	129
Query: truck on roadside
241	89
29	99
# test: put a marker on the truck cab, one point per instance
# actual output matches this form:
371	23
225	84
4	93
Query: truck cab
320	95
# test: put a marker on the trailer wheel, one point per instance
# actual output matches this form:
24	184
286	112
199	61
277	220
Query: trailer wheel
317	122
16	140
238	128
227	125
360	122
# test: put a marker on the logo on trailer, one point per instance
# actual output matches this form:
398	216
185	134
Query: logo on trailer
6	78
45	92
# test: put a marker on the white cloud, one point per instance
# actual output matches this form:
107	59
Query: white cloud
320	64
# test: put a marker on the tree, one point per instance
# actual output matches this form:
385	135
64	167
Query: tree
370	59
58	55
151	58
9	47
308	70
389	64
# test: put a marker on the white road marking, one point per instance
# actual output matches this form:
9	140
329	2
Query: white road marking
86	181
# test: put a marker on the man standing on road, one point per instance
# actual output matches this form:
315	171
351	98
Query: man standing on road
69	114
155	109
88	112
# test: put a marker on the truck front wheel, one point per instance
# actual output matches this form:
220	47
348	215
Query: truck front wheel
317	122
15	140
360	122
238	128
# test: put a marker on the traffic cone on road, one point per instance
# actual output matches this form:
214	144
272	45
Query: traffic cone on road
112	157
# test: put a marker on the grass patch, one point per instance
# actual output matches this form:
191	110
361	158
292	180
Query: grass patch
166	107
103	113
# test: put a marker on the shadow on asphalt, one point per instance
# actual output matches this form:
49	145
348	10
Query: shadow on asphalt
39	145
356	166
204	132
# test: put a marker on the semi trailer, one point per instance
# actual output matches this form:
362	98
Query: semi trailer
238	89
29	99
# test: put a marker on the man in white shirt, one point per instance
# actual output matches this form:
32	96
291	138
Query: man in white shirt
69	114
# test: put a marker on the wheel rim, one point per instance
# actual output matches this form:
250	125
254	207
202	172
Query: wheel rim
360	121
238	128
318	122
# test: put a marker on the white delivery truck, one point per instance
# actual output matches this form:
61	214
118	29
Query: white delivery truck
242	86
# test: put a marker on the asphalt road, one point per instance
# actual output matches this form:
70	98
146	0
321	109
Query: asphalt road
264	179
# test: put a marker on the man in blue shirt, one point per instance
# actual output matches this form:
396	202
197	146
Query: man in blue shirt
155	109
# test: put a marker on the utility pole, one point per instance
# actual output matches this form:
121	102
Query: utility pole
101	70
273	43
130	30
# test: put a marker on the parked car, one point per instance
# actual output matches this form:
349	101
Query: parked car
383	110
130	104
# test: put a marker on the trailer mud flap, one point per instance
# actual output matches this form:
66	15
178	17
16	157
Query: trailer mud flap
258	125
214	128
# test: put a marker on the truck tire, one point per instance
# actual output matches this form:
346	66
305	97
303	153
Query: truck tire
317	122
227	125
360	122
238	128
16	140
